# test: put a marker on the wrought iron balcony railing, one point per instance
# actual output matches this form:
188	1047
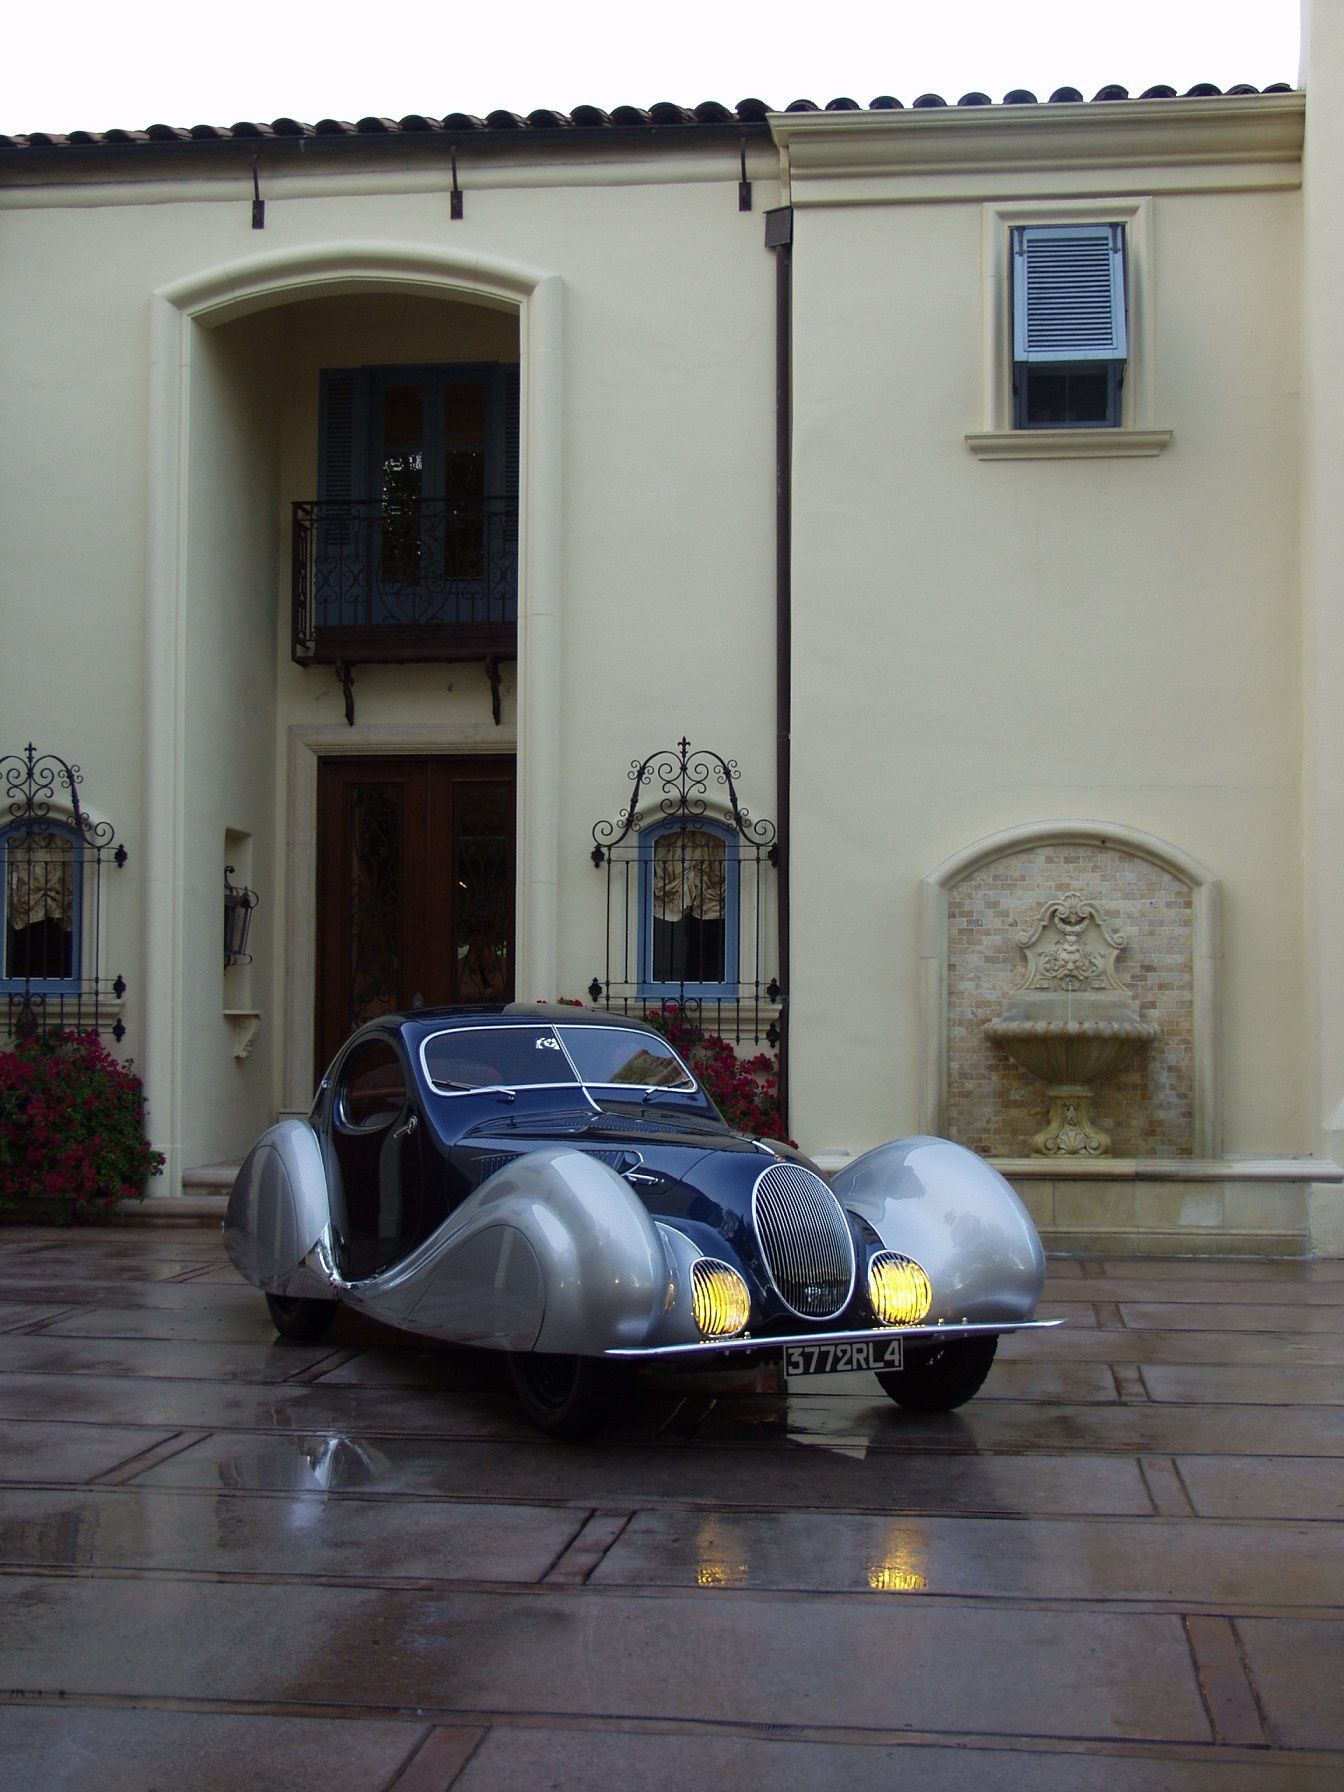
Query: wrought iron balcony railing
427	580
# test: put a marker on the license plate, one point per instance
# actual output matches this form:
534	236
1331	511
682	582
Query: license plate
836	1358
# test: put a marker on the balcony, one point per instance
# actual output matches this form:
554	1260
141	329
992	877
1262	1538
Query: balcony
399	582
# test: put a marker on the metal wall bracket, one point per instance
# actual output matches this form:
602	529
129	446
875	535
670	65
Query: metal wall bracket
258	203
744	185
455	198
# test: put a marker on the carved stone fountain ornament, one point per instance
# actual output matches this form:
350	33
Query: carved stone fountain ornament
1071	1023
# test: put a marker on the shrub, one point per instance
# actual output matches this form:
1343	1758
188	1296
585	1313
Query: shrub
72	1125
745	1090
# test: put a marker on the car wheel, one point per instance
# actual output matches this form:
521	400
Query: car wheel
569	1396
945	1376
301	1321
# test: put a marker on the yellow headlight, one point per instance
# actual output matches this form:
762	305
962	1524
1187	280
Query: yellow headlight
720	1299
898	1289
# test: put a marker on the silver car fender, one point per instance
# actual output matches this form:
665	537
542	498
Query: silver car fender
278	1210
554	1253
957	1217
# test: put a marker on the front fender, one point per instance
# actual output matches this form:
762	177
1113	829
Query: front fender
956	1216
554	1253
278	1210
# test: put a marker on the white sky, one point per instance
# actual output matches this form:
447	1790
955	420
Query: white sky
84	66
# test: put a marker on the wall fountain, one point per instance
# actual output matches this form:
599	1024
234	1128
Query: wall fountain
1071	1022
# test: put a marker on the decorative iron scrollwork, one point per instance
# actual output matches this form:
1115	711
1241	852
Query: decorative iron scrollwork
52	854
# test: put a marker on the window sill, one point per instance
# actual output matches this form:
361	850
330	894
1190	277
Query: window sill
1067	444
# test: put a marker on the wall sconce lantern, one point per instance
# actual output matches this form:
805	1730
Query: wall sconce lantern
238	905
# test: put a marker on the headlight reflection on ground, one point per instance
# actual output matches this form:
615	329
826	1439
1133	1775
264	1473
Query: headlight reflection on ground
900	1567
716	1564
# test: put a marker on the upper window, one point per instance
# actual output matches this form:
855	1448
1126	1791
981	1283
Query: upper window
42	888
1070	338
688	911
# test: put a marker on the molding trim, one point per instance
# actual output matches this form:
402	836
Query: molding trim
1068	444
217	295
1223	141
1206	946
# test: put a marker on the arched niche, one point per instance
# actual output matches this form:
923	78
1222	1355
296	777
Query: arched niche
974	905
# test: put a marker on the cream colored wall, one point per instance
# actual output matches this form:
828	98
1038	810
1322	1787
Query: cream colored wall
661	599
1322	616
984	644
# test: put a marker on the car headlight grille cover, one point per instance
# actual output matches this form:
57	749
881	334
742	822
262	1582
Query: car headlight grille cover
720	1299
898	1289
805	1240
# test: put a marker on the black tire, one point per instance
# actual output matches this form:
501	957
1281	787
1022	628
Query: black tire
567	1396
299	1320
942	1377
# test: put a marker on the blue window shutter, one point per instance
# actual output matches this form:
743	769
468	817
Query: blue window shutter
1069	293
509	384
341	420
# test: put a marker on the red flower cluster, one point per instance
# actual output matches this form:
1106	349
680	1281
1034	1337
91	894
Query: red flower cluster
72	1124
744	1090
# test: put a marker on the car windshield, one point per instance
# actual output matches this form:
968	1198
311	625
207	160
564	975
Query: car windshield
543	1056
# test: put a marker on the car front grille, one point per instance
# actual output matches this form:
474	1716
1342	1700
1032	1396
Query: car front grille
805	1241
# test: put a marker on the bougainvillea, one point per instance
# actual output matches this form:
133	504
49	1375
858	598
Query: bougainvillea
744	1090
72	1125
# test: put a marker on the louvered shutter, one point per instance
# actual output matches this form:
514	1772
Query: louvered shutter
1069	293
340	584
509	448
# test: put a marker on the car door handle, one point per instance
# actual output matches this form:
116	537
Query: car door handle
407	1127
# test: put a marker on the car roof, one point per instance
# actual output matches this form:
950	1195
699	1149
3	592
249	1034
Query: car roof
495	1014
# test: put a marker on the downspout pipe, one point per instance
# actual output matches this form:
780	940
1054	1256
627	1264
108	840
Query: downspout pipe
779	238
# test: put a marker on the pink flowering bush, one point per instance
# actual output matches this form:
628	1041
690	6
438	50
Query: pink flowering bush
72	1125
744	1090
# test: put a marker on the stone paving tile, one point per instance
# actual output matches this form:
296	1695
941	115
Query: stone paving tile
38	1451
1195	1316
1141	1428
208	1324
1078	1344
48	1354
883	1662
1221	1269
1236	1566
797	1475
511	1757
1248	1384
74	1749
15	1314
1289	1487
135	1527
265	1406
1298	1670
124	1291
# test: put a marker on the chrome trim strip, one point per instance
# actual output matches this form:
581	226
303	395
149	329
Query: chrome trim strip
716	1345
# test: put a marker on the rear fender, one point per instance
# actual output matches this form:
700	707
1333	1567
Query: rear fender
958	1218
278	1211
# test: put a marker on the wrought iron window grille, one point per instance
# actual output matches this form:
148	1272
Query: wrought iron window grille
239	902
691	898
52	858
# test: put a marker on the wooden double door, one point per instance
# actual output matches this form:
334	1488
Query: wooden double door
415	887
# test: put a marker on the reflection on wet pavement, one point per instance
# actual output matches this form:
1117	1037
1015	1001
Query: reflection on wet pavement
215	1549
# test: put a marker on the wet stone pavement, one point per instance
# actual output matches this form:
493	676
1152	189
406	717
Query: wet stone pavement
227	1562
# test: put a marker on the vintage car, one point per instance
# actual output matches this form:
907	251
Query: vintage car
555	1183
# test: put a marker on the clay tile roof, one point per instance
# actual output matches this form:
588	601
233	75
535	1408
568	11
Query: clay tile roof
660	116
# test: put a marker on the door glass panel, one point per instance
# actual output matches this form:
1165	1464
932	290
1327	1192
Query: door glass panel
464	429
376	831
373	1087
484	897
401	481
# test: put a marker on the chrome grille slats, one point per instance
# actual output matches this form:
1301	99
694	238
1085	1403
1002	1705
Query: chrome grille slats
805	1241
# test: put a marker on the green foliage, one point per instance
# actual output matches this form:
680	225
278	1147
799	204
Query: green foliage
72	1125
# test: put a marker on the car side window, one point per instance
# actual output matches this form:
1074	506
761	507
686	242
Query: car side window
372	1089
